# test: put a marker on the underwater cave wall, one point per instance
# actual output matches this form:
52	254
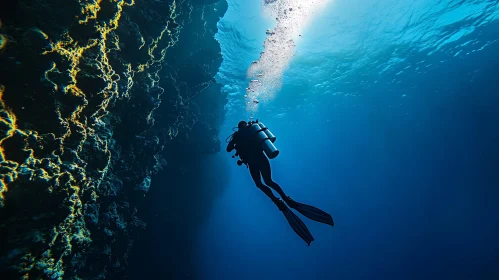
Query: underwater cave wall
93	96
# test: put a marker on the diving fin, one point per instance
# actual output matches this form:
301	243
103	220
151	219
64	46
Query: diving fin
311	212
295	222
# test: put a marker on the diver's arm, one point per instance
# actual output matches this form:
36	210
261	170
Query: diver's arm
231	145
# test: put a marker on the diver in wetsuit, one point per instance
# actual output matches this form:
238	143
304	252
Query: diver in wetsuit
251	153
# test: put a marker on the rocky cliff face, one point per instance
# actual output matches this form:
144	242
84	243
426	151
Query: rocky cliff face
94	94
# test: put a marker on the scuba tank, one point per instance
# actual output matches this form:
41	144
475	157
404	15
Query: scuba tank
265	137
270	135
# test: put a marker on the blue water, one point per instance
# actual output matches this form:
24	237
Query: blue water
387	118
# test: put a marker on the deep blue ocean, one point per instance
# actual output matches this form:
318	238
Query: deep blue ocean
387	117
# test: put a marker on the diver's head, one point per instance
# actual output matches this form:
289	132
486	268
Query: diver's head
241	125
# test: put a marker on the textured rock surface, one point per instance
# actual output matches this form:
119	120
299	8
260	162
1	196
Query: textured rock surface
92	95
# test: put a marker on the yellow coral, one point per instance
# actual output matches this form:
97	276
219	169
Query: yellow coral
43	34
8	120
3	41
74	180
90	10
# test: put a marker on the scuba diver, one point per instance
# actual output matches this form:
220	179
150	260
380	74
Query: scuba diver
250	141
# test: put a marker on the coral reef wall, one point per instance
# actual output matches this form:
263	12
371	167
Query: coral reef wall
94	96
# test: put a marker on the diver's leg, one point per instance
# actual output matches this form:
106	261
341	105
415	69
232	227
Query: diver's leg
255	174
294	221
267	176
307	210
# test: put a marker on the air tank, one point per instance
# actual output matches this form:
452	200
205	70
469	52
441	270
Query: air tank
261	136
267	131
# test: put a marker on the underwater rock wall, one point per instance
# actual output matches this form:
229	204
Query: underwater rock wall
92	94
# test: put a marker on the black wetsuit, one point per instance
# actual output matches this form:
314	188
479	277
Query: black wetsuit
256	160
250	152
